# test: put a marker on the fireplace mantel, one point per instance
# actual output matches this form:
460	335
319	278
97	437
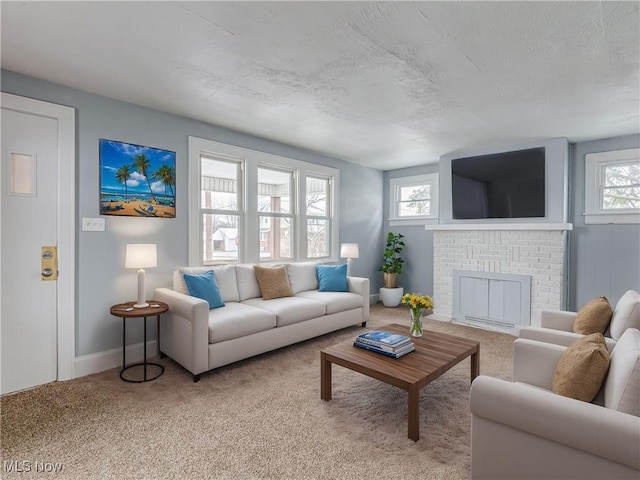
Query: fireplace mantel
501	226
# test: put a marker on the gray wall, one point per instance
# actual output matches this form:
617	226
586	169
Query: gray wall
604	259
417	274
102	279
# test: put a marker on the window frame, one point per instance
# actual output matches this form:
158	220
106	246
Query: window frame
239	166
305	216
395	186
595	166
291	215
249	228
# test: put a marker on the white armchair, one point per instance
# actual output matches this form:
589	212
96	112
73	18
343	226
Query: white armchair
557	326
522	430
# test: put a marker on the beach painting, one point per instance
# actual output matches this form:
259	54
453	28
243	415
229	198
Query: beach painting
137	181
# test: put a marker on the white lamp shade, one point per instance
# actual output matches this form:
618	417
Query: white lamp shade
141	255
349	250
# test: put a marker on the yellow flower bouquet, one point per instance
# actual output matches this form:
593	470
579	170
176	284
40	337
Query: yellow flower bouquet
417	303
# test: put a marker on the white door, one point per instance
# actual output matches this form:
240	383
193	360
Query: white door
29	212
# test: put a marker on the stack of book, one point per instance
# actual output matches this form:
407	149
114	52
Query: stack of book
387	343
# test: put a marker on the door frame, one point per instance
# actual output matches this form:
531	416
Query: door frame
66	231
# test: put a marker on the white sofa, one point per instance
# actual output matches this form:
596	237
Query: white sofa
200	339
522	430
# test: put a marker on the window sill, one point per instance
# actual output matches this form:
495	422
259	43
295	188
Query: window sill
411	222
611	218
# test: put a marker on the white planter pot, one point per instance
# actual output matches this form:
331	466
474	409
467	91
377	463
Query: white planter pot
391	297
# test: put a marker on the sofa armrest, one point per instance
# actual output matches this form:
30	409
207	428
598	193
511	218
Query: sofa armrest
185	332
548	335
534	362
360	285
557	320
180	304
584	426
557	337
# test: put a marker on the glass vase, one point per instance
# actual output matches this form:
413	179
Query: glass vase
416	322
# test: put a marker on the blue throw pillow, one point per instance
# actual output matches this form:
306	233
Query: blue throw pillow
332	278
205	287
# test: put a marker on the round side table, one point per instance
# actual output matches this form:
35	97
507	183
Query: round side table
125	311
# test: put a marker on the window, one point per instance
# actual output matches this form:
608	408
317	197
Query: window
318	217
220	208
250	206
413	200
275	214
612	187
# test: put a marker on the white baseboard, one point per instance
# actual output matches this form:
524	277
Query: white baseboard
101	361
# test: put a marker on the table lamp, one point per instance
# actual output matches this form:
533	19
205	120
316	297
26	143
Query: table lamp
349	251
141	255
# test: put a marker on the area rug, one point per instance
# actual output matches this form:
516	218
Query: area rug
261	418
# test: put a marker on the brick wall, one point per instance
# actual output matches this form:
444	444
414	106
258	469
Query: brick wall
538	253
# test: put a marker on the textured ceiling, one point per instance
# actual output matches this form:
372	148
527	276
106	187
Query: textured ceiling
384	84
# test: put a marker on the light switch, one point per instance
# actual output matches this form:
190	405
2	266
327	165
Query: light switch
93	224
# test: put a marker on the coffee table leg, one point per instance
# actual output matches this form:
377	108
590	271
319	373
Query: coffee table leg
475	364
413	413
325	377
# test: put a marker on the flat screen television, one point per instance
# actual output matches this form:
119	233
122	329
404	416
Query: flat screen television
499	185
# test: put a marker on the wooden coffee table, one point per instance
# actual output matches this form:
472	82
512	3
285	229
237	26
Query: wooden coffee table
435	354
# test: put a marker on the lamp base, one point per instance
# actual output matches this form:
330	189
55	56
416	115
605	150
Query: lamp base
141	303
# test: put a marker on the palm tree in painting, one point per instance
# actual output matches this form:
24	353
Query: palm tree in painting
122	175
142	163
167	175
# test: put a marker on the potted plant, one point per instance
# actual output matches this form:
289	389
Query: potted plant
391	294
392	263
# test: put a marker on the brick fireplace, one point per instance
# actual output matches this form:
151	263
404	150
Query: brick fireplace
537	250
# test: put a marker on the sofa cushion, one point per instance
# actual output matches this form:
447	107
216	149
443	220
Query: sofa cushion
334	302
238	320
622	386
204	286
593	317
332	278
273	282
626	314
302	276
582	368
248	286
289	310
225	278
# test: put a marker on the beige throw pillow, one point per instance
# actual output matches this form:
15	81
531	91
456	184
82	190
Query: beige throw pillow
273	282
582	368
593	317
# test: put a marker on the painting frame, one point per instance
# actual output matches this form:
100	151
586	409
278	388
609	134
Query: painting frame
136	180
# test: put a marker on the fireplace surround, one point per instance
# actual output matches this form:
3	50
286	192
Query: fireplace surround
536	250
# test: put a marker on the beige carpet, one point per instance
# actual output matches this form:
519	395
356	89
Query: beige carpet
258	419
